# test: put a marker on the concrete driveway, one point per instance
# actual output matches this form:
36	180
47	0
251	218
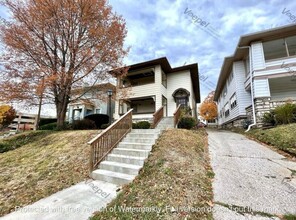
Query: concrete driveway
251	181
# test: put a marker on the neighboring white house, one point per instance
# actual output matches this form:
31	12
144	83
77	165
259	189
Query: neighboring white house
259	76
150	85
25	121
90	100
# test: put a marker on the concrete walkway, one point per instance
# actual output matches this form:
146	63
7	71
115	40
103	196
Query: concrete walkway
251	181
77	202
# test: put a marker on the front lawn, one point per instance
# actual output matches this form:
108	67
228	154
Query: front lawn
41	163
283	137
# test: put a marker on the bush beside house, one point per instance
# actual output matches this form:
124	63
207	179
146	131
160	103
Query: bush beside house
283	114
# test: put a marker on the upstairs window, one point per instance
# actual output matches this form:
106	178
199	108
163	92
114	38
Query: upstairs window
163	79
291	44
280	48
224	91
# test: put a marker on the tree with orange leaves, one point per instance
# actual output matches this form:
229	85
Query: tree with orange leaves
7	115
208	108
55	46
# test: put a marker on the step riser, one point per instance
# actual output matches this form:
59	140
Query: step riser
134	146
146	131
110	179
126	160
139	140
136	136
119	169
130	153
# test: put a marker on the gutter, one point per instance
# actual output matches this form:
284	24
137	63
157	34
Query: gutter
252	91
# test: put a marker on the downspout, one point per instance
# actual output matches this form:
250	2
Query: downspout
252	91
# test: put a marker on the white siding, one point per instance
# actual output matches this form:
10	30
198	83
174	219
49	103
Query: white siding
175	81
261	88
258	56
235	86
231	89
243	97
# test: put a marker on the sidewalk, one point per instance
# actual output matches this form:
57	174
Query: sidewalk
76	202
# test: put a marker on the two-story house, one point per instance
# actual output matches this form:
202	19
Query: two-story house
154	84
89	100
259	76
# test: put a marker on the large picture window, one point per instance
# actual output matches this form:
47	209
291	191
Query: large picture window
280	48
274	49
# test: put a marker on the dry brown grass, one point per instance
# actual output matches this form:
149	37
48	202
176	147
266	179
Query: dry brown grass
43	167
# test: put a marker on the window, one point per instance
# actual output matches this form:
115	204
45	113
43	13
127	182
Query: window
98	111
233	102
226	107
230	78
163	79
275	49
291	44
181	97
224	91
181	101
247	65
280	48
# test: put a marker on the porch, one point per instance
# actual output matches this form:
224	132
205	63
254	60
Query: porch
143	108
281	90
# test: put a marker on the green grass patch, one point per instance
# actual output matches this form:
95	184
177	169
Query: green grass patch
283	137
22	139
175	182
289	217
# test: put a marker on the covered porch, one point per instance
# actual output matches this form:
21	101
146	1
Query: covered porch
143	107
282	88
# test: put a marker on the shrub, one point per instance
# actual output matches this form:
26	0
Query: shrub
104	126
143	125
99	119
50	126
285	114
269	118
246	123
134	125
45	121
83	124
187	122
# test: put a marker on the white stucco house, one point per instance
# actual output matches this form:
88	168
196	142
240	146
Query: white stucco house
153	84
90	100
260	75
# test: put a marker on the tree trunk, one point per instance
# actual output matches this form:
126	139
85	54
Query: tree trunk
61	106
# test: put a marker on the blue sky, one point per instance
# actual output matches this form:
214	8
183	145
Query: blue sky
162	28
158	28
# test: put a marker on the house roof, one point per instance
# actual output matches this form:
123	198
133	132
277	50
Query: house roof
102	87
240	53
165	65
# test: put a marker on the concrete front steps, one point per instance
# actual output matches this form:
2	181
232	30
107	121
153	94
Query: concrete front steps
123	164
165	123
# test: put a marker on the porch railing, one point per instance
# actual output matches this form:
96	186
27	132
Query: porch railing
177	115
104	143
157	116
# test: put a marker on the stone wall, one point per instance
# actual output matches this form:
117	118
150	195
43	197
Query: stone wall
263	105
249	112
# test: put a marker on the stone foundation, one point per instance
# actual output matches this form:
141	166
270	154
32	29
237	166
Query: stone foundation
263	105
